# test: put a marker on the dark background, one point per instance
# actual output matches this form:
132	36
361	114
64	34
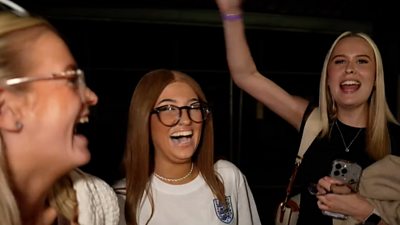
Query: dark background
118	41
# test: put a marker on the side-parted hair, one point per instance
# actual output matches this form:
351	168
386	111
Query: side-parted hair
379	114
139	152
16	33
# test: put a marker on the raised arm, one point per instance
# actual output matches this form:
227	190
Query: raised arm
244	71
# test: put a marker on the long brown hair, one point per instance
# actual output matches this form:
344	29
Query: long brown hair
139	152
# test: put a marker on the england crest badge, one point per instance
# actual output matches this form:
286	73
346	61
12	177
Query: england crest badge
224	213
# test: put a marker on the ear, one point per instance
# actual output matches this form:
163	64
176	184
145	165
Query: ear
9	118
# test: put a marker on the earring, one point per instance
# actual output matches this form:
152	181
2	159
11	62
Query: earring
18	125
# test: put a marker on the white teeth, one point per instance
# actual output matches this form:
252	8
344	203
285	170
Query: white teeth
350	82
84	120
182	133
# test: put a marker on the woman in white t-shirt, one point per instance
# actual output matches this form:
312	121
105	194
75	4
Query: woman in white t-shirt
171	175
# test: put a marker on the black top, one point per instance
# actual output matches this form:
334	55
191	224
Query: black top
318	160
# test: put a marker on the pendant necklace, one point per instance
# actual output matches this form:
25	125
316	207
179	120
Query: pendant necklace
176	179
347	147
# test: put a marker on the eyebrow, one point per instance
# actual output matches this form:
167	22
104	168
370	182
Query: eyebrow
174	101
358	56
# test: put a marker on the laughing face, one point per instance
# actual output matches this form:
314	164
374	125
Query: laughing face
51	108
176	143
351	73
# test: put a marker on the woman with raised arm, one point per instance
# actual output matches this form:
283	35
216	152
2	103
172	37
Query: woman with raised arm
357	124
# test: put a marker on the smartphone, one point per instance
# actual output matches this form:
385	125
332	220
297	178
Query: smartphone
348	172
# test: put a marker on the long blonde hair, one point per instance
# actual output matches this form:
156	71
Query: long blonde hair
139	152
379	114
15	32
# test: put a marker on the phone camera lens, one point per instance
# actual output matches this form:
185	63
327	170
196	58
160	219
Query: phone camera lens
336	172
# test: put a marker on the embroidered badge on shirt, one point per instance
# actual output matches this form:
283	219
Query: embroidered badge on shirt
225	214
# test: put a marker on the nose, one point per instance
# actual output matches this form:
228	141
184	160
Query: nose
90	97
185	119
350	68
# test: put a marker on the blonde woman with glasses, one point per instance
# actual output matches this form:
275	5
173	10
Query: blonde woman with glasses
43	98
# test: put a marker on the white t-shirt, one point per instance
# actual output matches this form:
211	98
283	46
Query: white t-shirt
194	203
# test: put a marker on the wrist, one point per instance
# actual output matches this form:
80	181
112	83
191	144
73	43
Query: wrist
232	16
373	218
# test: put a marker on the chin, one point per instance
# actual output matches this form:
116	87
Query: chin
82	159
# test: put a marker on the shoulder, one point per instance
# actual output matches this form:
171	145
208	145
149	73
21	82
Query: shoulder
82	180
228	170
97	200
233	179
225	164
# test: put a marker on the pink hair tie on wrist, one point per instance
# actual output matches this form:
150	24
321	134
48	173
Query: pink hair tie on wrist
231	16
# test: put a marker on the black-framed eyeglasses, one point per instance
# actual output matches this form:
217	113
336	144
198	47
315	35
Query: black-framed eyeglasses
170	115
13	7
75	76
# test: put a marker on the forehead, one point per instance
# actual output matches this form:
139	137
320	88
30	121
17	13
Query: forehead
47	53
353	46
178	91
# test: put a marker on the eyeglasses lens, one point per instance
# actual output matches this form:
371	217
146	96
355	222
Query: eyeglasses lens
170	115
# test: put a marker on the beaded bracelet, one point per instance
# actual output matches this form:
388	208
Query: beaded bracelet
231	16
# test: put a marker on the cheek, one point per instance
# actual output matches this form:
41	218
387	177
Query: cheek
59	101
198	129
330	82
159	132
331	75
371	77
333	80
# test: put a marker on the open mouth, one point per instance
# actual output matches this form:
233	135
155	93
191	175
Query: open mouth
81	125
182	136
350	85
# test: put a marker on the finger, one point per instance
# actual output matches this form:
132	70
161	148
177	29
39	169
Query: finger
321	190
333	180
321	205
340	189
324	183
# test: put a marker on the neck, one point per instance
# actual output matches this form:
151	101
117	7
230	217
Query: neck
31	189
35	210
355	117
177	176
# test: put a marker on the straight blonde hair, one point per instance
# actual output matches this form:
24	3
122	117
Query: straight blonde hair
15	34
379	114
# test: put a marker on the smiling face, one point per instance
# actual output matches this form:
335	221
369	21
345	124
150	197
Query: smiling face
351	73
49	110
178	143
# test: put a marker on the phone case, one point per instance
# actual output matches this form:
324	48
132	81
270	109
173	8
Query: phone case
350	174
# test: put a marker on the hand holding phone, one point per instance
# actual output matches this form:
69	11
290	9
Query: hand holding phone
349	173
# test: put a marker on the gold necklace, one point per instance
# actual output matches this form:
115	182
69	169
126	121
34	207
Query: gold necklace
347	147
176	179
